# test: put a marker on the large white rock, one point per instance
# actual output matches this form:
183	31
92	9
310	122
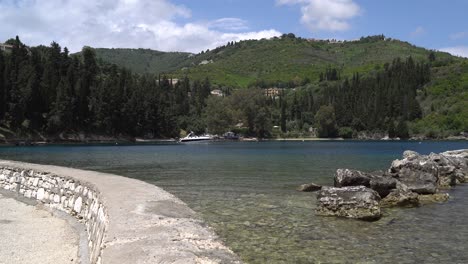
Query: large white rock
56	198
40	194
71	202
27	194
78	189
78	204
35	181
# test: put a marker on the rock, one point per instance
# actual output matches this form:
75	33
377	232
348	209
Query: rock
446	170
35	182
346	177
409	154
356	202
434	198
383	185
40	194
28	194
401	197
309	187
459	159
77	205
419	174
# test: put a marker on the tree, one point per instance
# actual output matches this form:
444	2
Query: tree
283	115
87	81
402	129
391	129
325	121
432	56
218	115
2	86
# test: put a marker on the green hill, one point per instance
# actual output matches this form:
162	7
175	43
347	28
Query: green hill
289	58
270	61
289	61
144	60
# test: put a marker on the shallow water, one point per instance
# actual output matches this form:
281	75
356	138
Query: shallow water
246	191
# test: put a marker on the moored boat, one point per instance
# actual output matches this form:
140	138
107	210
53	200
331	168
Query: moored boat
191	137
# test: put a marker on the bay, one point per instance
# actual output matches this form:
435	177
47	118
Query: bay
246	192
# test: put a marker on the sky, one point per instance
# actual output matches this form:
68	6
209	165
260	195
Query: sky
196	25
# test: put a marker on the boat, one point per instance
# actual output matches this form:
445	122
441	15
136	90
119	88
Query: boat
191	137
230	136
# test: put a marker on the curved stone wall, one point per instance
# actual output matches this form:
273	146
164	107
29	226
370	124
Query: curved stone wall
127	220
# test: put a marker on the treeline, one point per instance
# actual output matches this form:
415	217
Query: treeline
384	101
45	90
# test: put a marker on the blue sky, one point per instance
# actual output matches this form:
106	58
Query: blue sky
189	25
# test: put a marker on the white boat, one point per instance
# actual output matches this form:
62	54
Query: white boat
191	137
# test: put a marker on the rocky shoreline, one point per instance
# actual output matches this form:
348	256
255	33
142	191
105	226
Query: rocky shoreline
412	181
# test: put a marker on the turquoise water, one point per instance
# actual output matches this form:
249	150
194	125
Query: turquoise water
246	191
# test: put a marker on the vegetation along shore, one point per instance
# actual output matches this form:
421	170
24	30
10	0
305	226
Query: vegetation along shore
371	88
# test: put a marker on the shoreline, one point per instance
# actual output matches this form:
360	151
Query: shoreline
122	142
128	220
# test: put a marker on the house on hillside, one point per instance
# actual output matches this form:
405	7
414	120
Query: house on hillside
272	92
5	47
217	92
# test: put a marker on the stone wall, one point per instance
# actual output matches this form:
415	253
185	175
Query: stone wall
65	194
127	220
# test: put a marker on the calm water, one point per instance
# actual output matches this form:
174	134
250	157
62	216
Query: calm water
246	191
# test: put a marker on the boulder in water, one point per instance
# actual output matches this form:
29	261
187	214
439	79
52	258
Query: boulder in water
402	196
357	202
347	177
419	174
383	185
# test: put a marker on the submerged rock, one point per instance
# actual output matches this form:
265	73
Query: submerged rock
309	187
356	202
402	196
434	198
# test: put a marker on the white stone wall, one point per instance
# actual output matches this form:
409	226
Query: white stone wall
64	194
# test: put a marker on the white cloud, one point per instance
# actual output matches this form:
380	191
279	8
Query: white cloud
459	35
229	23
419	31
326	15
461	51
118	23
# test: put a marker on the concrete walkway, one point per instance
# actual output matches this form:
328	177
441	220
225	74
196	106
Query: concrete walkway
144	223
30	235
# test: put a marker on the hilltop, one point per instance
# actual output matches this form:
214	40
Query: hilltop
144	60
272	61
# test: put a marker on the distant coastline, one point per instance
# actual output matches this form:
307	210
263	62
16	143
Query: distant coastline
101	140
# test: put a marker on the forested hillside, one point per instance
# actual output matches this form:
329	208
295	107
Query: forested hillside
144	60
290	61
46	93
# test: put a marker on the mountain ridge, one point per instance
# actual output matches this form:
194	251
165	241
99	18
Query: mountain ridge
280	59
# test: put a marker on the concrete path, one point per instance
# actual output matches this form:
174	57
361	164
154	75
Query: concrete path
30	235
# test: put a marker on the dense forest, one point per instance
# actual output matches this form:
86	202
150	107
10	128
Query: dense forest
48	92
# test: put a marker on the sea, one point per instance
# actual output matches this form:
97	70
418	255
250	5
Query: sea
246	191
